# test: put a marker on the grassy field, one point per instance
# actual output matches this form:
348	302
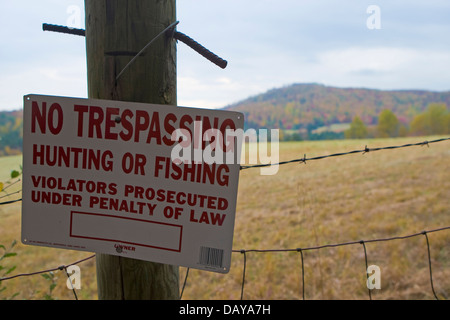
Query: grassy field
354	197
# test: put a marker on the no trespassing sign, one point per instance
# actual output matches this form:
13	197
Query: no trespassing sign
150	182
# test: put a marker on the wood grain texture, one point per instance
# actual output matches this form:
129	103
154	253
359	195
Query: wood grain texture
115	31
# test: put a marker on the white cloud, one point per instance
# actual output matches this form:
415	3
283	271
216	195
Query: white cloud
382	68
356	59
267	44
69	80
200	93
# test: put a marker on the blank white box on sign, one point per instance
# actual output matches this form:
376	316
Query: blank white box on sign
137	232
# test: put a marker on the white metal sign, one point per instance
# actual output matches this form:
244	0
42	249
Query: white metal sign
149	182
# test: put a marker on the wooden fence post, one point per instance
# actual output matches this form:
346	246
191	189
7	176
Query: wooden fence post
116	30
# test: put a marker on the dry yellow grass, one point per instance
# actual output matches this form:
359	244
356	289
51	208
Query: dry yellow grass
355	197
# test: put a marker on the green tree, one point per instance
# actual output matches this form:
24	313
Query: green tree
435	120
357	130
10	132
438	114
418	126
388	124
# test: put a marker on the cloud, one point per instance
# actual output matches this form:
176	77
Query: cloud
378	67
357	59
267	43
212	93
383	68
67	80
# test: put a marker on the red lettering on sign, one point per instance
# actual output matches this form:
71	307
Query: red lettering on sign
170	118
201	173
95	120
65	199
39	115
127	125
143	126
134	164
211	218
81	110
111	123
72	157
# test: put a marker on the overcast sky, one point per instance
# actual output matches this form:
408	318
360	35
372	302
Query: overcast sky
389	44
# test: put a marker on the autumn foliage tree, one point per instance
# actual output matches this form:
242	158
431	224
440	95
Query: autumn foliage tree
10	133
357	130
388	124
435	120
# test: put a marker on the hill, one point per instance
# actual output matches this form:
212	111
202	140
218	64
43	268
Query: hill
308	112
310	106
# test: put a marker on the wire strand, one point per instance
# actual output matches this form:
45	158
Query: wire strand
363	151
243	273
363	242
184	284
45	271
429	264
303	273
172	25
70	281
367	268
245	251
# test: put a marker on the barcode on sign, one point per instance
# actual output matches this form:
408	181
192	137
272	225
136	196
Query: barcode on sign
211	257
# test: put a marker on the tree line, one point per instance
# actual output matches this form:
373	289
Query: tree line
11	132
435	120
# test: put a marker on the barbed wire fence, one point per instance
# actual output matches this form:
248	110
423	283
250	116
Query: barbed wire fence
362	242
245	252
363	151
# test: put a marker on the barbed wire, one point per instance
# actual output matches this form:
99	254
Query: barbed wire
363	151
47	270
8	194
10	202
304	159
300	250
244	252
362	242
60	268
